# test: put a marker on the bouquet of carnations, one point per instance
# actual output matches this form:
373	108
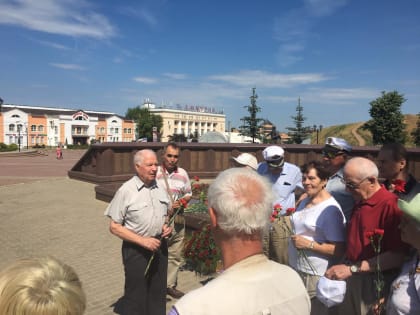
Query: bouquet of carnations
201	252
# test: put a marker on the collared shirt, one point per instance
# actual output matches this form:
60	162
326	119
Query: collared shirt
337	189
139	208
178	181
250	286
378	212
284	184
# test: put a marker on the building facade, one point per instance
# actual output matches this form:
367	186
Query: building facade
29	126
187	120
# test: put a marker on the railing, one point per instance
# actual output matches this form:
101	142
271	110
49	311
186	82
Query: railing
111	163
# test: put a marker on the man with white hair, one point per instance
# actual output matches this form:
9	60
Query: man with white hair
376	211
239	207
138	215
286	180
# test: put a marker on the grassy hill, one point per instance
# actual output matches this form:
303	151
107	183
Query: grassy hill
356	136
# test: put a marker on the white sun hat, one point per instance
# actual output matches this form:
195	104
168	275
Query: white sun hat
246	159
330	292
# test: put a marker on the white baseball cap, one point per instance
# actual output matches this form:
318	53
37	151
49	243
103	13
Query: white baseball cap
246	159
274	156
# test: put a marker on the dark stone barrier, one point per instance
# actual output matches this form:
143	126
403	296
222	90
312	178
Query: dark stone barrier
110	164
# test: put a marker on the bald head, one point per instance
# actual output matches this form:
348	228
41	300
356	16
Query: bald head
361	177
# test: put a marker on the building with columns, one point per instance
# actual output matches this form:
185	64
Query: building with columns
30	126
187	120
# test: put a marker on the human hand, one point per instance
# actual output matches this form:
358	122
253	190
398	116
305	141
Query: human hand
166	231
338	272
151	243
300	242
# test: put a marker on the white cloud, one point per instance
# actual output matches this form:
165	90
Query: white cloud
343	96
145	80
53	45
263	79
70	18
142	13
320	8
175	76
293	28
67	66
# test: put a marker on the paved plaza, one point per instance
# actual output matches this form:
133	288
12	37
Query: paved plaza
43	212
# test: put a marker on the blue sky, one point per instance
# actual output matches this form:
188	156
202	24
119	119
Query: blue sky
336	55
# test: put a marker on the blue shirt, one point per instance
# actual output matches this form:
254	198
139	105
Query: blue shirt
337	189
284	184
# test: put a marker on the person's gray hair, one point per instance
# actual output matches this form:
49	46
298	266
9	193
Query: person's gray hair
139	156
242	200
363	167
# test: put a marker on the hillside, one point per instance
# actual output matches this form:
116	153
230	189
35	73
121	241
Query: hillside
356	136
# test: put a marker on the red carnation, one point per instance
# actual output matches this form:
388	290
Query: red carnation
369	234
399	185
379	232
196	178
290	211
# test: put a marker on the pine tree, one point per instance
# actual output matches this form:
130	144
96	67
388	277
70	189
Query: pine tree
299	132
251	124
387	123
416	132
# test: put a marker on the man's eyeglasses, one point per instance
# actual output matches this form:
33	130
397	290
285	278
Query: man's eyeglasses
353	186
330	154
172	156
276	164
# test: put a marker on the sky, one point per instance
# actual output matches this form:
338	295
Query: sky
335	55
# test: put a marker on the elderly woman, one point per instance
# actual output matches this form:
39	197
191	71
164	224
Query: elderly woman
405	290
319	231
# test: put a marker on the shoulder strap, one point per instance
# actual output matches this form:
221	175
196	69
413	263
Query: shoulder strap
166	183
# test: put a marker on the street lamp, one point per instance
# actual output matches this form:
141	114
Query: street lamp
19	126
317	129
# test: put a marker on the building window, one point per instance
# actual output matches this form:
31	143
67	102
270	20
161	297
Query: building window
12	127
111	130
125	130
32	140
41	128
129	130
56	130
33	127
116	130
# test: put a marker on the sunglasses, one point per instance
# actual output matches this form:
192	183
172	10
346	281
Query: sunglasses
353	186
275	164
172	156
330	154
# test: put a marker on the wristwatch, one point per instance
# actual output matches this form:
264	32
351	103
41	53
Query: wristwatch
354	268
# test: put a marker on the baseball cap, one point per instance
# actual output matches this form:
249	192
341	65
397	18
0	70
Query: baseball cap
246	159
337	144
330	292
274	156
411	208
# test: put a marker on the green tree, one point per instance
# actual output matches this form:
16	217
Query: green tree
251	124
145	121
387	123
178	137
298	133
416	132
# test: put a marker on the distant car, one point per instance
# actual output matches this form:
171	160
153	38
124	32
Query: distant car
142	140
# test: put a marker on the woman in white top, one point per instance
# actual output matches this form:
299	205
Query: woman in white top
318	231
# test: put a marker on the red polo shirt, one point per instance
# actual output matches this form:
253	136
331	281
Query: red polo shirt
378	212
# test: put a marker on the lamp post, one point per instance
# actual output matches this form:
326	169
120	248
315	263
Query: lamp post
18	128
317	129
